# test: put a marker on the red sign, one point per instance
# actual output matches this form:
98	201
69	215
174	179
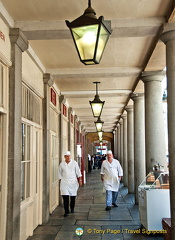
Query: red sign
2	36
53	97
64	110
98	144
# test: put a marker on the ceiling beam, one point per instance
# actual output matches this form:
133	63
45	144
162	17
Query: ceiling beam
110	72
135	27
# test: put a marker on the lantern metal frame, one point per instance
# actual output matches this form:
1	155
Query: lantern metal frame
99	124
100	134
101	29
95	103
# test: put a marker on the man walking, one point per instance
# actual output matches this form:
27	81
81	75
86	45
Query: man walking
111	173
70	176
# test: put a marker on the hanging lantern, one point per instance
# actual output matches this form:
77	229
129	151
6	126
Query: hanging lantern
99	124
96	104
90	35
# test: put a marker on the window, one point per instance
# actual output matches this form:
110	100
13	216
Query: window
26	162
1	157
54	158
31	107
1	86
37	161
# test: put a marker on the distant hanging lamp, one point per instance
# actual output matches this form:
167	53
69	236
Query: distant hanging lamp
100	134
90	35
99	124
100	138
96	104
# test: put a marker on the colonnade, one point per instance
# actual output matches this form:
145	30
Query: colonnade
145	145
144	131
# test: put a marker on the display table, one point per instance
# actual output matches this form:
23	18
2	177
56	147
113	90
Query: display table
154	201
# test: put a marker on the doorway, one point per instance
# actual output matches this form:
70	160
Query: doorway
1	164
54	187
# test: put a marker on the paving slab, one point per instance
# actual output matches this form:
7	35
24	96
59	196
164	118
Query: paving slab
92	220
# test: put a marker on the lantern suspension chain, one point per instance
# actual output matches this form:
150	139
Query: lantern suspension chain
89	4
96	87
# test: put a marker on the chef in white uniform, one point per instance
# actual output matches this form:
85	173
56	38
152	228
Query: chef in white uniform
111	173
70	175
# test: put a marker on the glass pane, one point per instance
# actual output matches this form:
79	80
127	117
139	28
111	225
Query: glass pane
22	181
1	85
53	150
103	38
28	143
27	179
37	146
1	157
23	141
25	164
85	38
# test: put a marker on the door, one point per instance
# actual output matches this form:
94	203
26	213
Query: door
31	180
1	164
54	187
3	174
37	209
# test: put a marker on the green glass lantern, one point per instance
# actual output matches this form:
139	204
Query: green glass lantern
90	35
96	104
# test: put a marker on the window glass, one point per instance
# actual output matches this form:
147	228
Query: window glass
1	86
26	162
54	158
37	159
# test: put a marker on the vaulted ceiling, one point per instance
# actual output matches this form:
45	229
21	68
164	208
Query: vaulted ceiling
133	47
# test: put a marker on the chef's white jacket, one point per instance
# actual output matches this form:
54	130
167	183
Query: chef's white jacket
68	173
111	171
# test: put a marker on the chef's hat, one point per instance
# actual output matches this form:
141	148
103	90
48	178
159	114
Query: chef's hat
109	152
67	153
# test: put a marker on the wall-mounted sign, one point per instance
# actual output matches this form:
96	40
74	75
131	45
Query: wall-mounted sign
64	110
53	97
2	36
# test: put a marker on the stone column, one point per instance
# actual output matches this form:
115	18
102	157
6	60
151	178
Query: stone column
18	45
130	149
139	141
75	137
168	37
118	141
48	82
62	100
69	128
115	148
121	141
125	162
154	126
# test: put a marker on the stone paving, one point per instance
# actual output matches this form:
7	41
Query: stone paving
90	215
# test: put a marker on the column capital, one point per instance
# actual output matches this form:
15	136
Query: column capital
62	99
70	110
120	121
129	108
118	125
48	79
168	32
136	96
153	76
76	117
124	116
17	37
